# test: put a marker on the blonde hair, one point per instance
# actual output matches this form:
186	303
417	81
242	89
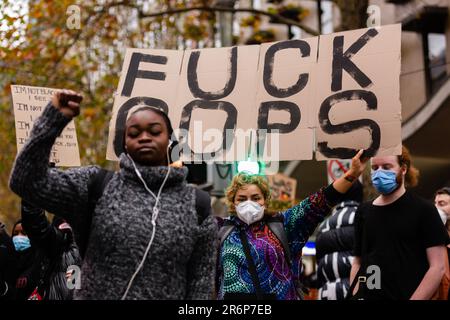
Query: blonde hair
242	179
412	173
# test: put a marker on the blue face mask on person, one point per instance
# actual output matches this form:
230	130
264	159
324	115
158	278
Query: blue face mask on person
21	243
385	181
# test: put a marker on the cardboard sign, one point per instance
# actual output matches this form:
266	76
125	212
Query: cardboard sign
28	103
282	187
271	102
358	101
286	93
212	104
149	77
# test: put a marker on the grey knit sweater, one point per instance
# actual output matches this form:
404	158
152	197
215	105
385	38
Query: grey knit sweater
181	261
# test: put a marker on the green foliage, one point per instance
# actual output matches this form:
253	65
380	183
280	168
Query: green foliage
262	36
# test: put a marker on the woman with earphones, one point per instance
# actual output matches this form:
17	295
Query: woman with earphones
147	239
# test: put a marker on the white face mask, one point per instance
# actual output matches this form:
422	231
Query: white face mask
250	211
442	215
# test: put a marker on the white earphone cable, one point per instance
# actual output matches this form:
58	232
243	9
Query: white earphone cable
155	213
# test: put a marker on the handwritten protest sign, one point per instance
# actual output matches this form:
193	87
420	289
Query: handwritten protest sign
213	86
358	102
286	95
331	94
28	103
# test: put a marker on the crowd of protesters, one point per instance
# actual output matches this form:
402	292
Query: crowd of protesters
144	233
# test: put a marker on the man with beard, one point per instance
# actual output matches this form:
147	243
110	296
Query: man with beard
399	237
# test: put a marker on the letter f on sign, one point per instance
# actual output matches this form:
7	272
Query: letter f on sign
134	72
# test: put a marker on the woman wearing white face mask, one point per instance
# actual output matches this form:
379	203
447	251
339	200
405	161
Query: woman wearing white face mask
260	253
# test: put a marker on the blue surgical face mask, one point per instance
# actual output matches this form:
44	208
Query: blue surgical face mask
385	181
21	243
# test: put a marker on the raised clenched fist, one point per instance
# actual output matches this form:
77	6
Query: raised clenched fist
68	102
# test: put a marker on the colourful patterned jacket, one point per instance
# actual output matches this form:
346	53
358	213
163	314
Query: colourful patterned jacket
275	275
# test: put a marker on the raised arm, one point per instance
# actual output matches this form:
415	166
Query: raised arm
61	192
301	220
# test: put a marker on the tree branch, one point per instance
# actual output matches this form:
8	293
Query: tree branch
92	14
277	17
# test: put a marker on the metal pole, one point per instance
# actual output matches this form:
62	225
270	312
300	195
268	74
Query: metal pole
426	62
226	23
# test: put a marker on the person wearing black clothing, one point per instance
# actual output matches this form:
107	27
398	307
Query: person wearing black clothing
334	246
57	249
399	233
26	263
7	265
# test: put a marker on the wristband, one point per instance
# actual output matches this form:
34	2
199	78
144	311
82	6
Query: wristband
350	178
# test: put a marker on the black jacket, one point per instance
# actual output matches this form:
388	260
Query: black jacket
334	245
7	266
27	264
57	250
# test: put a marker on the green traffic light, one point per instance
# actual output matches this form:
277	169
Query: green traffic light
251	167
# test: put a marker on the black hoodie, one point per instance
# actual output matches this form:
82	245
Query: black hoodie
7	266
57	249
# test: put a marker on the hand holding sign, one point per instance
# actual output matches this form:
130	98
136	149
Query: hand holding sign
358	165
68	102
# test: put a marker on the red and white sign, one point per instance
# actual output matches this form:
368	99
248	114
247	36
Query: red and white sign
337	168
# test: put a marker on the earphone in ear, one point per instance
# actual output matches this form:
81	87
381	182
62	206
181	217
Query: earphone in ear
171	143
170	156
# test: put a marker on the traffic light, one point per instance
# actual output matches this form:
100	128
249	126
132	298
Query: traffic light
253	167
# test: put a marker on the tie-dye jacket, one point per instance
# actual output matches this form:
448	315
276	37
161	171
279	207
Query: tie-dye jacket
275	275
